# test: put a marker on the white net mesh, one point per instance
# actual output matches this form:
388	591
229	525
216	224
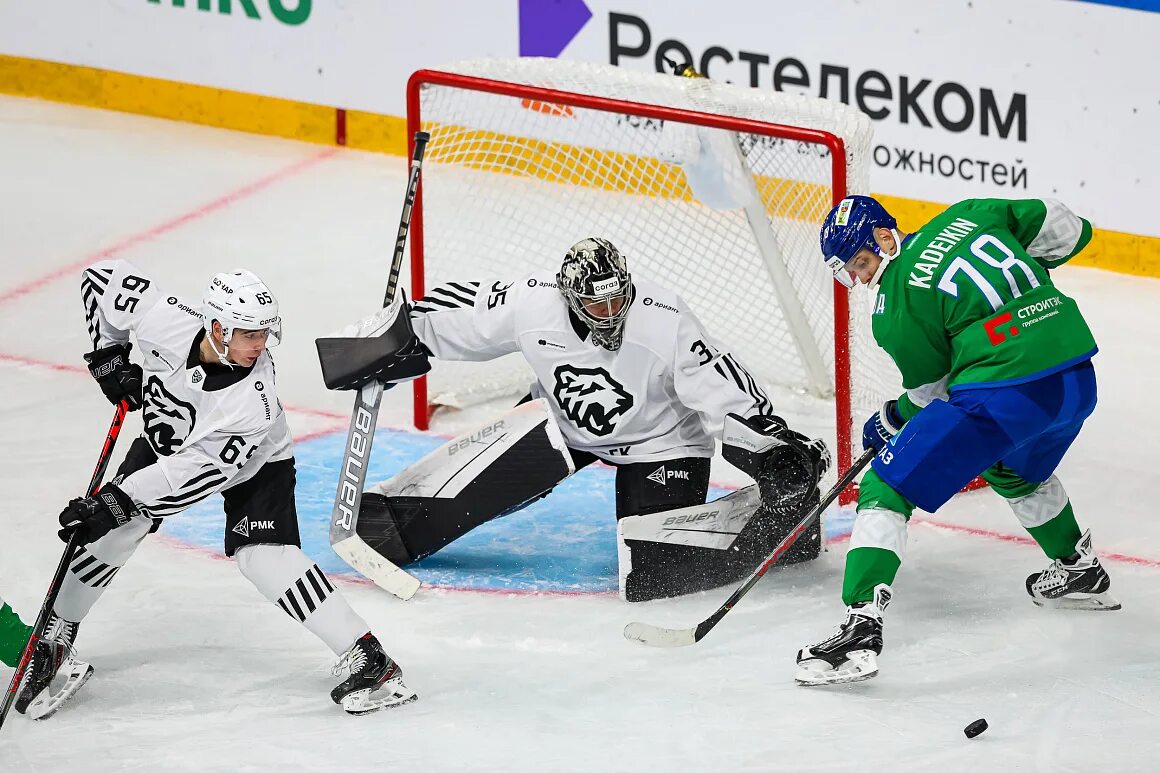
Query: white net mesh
729	219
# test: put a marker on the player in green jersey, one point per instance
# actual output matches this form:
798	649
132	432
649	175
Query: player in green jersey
13	635
996	363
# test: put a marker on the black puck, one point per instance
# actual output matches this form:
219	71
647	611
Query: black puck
975	728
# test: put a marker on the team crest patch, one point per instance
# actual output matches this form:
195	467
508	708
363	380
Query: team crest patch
168	419
591	398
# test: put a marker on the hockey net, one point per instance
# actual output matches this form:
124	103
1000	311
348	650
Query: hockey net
714	190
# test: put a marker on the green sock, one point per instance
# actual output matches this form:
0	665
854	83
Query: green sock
13	636
1058	536
875	555
865	568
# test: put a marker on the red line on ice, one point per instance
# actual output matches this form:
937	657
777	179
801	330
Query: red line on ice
1021	539
194	214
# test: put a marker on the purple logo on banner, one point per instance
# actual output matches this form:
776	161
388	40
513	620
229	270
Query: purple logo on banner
548	26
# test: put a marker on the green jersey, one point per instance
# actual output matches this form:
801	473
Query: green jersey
13	635
969	301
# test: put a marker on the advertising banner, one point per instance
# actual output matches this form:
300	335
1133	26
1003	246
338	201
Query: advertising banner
969	97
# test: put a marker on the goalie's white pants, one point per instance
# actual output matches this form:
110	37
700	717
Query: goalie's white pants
281	573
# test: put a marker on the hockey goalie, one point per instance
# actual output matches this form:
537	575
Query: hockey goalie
626	375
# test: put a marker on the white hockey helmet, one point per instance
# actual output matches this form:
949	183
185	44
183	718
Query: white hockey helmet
239	300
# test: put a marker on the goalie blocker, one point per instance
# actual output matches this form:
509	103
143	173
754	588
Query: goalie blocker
382	347
503	466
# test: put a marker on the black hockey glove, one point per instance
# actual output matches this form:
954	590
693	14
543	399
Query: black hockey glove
118	378
881	427
792	467
94	517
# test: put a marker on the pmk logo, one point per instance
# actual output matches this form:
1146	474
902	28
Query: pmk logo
996	335
662	476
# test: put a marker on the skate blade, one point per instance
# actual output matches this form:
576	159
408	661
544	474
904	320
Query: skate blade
859	666
46	704
368	701
1091	602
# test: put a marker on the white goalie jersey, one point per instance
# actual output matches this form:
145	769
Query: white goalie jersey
211	426
663	395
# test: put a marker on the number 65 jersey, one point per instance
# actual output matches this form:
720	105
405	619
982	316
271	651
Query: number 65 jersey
210	425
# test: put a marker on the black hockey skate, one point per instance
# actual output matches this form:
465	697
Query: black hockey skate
375	681
52	660
1078	583
851	654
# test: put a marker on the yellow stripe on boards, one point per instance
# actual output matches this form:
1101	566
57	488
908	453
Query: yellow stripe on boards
166	99
376	133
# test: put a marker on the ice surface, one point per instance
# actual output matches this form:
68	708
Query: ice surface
196	672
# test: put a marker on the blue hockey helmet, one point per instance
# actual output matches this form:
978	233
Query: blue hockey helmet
848	228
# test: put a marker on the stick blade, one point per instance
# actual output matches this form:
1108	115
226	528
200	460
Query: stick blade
363	559
655	636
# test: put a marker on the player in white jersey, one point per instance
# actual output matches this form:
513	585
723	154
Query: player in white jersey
629	376
213	422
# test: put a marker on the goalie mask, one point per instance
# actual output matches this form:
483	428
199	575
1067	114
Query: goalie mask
239	300
595	282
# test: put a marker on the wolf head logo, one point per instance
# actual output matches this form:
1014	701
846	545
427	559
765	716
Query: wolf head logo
591	398
168	420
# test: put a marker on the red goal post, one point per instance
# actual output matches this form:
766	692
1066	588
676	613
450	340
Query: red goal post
534	155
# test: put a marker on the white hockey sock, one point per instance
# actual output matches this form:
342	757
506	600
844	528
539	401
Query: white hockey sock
284	575
94	566
1041	505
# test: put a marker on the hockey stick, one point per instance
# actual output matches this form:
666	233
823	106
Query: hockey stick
62	567
656	636
344	539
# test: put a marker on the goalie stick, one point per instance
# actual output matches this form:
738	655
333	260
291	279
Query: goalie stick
344	538
656	636
58	578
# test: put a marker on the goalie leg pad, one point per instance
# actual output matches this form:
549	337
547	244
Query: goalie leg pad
491	471
690	549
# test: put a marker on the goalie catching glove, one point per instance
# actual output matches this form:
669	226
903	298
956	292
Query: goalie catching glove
382	347
786	464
